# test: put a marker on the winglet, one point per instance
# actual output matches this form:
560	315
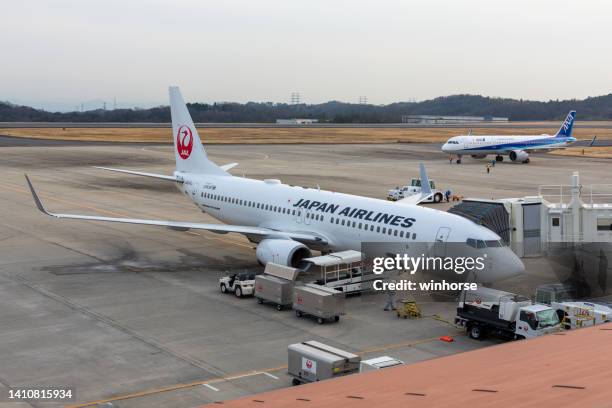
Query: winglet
425	186
593	141
35	196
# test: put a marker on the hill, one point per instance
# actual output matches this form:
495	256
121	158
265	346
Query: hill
593	108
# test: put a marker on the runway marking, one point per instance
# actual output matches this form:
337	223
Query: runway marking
210	387
174	388
239	375
271	376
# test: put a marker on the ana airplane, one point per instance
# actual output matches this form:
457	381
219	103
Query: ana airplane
516	147
287	222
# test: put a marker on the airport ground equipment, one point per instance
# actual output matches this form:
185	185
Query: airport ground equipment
413	188
378	363
276	284
504	314
323	303
554	292
240	284
574	315
312	361
408	308
343	271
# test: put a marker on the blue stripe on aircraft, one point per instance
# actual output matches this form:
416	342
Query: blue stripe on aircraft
522	145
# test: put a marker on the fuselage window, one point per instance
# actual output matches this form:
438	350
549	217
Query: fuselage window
322	218
371	227
401	234
395	233
378	229
292	212
384	230
331	220
354	224
342	222
360	225
414	235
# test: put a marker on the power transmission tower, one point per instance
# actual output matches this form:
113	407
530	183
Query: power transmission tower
363	100
295	98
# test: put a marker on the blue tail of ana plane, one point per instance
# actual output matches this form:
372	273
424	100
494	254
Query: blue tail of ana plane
568	124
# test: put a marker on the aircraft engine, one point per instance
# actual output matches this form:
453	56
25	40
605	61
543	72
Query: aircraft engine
282	251
519	155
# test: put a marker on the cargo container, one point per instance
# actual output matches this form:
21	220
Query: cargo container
276	285
312	361
318	301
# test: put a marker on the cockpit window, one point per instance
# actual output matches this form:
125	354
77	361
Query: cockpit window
479	243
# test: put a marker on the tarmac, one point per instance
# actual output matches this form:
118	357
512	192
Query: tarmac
131	316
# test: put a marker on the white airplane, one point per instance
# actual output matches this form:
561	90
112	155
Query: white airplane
287	222
516	147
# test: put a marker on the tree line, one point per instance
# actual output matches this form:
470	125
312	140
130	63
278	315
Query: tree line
593	108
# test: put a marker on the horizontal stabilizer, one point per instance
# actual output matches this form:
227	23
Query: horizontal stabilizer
228	166
141	173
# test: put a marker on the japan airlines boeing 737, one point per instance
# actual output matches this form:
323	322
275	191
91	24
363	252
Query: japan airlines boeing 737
516	147
287	222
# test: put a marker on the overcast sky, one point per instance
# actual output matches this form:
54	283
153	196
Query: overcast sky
60	53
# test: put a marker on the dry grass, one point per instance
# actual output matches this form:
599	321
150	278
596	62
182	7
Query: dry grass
282	135
595	152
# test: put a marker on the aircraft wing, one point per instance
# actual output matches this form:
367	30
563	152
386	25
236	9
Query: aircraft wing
141	173
426	192
304	237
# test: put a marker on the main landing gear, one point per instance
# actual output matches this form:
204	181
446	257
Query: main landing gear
499	158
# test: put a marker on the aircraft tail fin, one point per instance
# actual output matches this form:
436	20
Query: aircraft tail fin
568	124
188	149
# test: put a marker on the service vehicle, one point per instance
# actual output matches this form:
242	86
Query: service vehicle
507	315
240	284
414	188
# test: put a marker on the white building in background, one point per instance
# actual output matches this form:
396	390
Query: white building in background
296	121
447	120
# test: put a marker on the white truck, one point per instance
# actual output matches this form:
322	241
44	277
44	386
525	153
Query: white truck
413	188
576	314
240	284
508	315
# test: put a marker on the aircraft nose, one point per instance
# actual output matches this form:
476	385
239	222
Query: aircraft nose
503	264
445	147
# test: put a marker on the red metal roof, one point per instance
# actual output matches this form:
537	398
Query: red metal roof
570	369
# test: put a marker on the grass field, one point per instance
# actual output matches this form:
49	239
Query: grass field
283	135
301	135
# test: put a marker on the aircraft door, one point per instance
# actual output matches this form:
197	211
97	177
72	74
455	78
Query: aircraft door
440	244
298	216
307	216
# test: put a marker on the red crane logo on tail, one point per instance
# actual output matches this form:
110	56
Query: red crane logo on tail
184	141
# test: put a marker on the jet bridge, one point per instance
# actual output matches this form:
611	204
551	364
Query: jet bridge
488	213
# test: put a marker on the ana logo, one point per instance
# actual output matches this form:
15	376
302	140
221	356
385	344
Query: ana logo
184	141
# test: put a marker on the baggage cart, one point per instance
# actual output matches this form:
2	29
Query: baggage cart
318	301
